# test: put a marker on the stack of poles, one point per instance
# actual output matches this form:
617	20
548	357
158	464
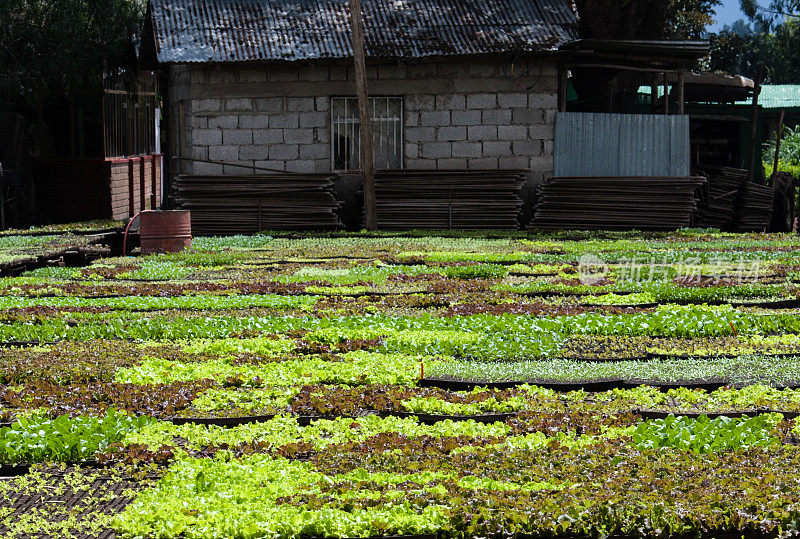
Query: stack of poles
618	203
232	204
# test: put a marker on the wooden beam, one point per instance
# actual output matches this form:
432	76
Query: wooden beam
623	67
153	183
654	94
71	126
142	184
562	88
131	209
681	95
778	135
666	94
751	168
364	114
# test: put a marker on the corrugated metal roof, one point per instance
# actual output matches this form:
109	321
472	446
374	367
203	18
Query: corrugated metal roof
691	49
591	144
772	96
777	96
293	30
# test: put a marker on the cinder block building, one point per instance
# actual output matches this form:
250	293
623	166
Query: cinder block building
269	83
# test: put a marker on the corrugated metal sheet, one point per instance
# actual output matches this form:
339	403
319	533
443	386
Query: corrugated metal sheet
590	144
293	30
777	96
772	96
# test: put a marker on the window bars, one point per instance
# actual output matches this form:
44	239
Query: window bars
387	133
129	116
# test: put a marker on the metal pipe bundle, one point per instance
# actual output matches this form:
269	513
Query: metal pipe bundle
451	199
753	208
233	204
724	184
618	203
734	203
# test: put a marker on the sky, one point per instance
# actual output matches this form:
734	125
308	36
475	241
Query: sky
727	13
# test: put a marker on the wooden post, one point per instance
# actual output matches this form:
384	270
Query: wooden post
654	94
131	209
666	94
562	88
751	169
142	183
778	135
681	98
153	183
364	114
71	126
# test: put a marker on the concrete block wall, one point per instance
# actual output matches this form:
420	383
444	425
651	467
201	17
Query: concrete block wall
457	114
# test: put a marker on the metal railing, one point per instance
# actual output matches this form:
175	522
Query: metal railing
387	133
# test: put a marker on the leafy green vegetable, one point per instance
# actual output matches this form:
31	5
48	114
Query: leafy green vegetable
64	439
704	435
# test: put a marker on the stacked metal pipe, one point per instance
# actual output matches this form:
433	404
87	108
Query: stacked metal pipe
453	199
724	184
233	204
753	208
618	203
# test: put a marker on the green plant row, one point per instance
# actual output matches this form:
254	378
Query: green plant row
487	337
153	303
740	371
389	484
355	368
65	438
703	435
284	430
644	292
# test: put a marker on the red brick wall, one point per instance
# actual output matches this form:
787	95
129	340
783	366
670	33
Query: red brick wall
122	171
69	190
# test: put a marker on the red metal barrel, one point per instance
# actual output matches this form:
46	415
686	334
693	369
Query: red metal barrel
168	231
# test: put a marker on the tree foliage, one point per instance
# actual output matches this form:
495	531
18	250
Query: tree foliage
645	19
688	19
772	13
772	41
53	48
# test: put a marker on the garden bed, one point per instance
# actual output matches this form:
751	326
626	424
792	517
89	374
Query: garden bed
405	385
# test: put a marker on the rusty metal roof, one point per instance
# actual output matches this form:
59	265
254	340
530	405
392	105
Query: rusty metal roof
294	30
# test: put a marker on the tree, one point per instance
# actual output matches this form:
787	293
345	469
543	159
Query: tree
688	19
771	14
740	27
54	48
645	19
773	42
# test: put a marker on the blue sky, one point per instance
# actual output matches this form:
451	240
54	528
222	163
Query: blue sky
727	13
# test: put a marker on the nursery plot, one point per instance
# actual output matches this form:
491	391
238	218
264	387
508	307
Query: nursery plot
371	385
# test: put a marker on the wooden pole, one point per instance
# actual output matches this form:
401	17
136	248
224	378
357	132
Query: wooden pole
751	170
666	95
681	97
153	183
654	94
364	114
562	88
142	184
778	135
131	209
71	126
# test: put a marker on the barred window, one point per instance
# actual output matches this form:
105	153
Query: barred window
387	133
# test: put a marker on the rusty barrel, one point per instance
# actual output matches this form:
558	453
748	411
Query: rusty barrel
165	231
